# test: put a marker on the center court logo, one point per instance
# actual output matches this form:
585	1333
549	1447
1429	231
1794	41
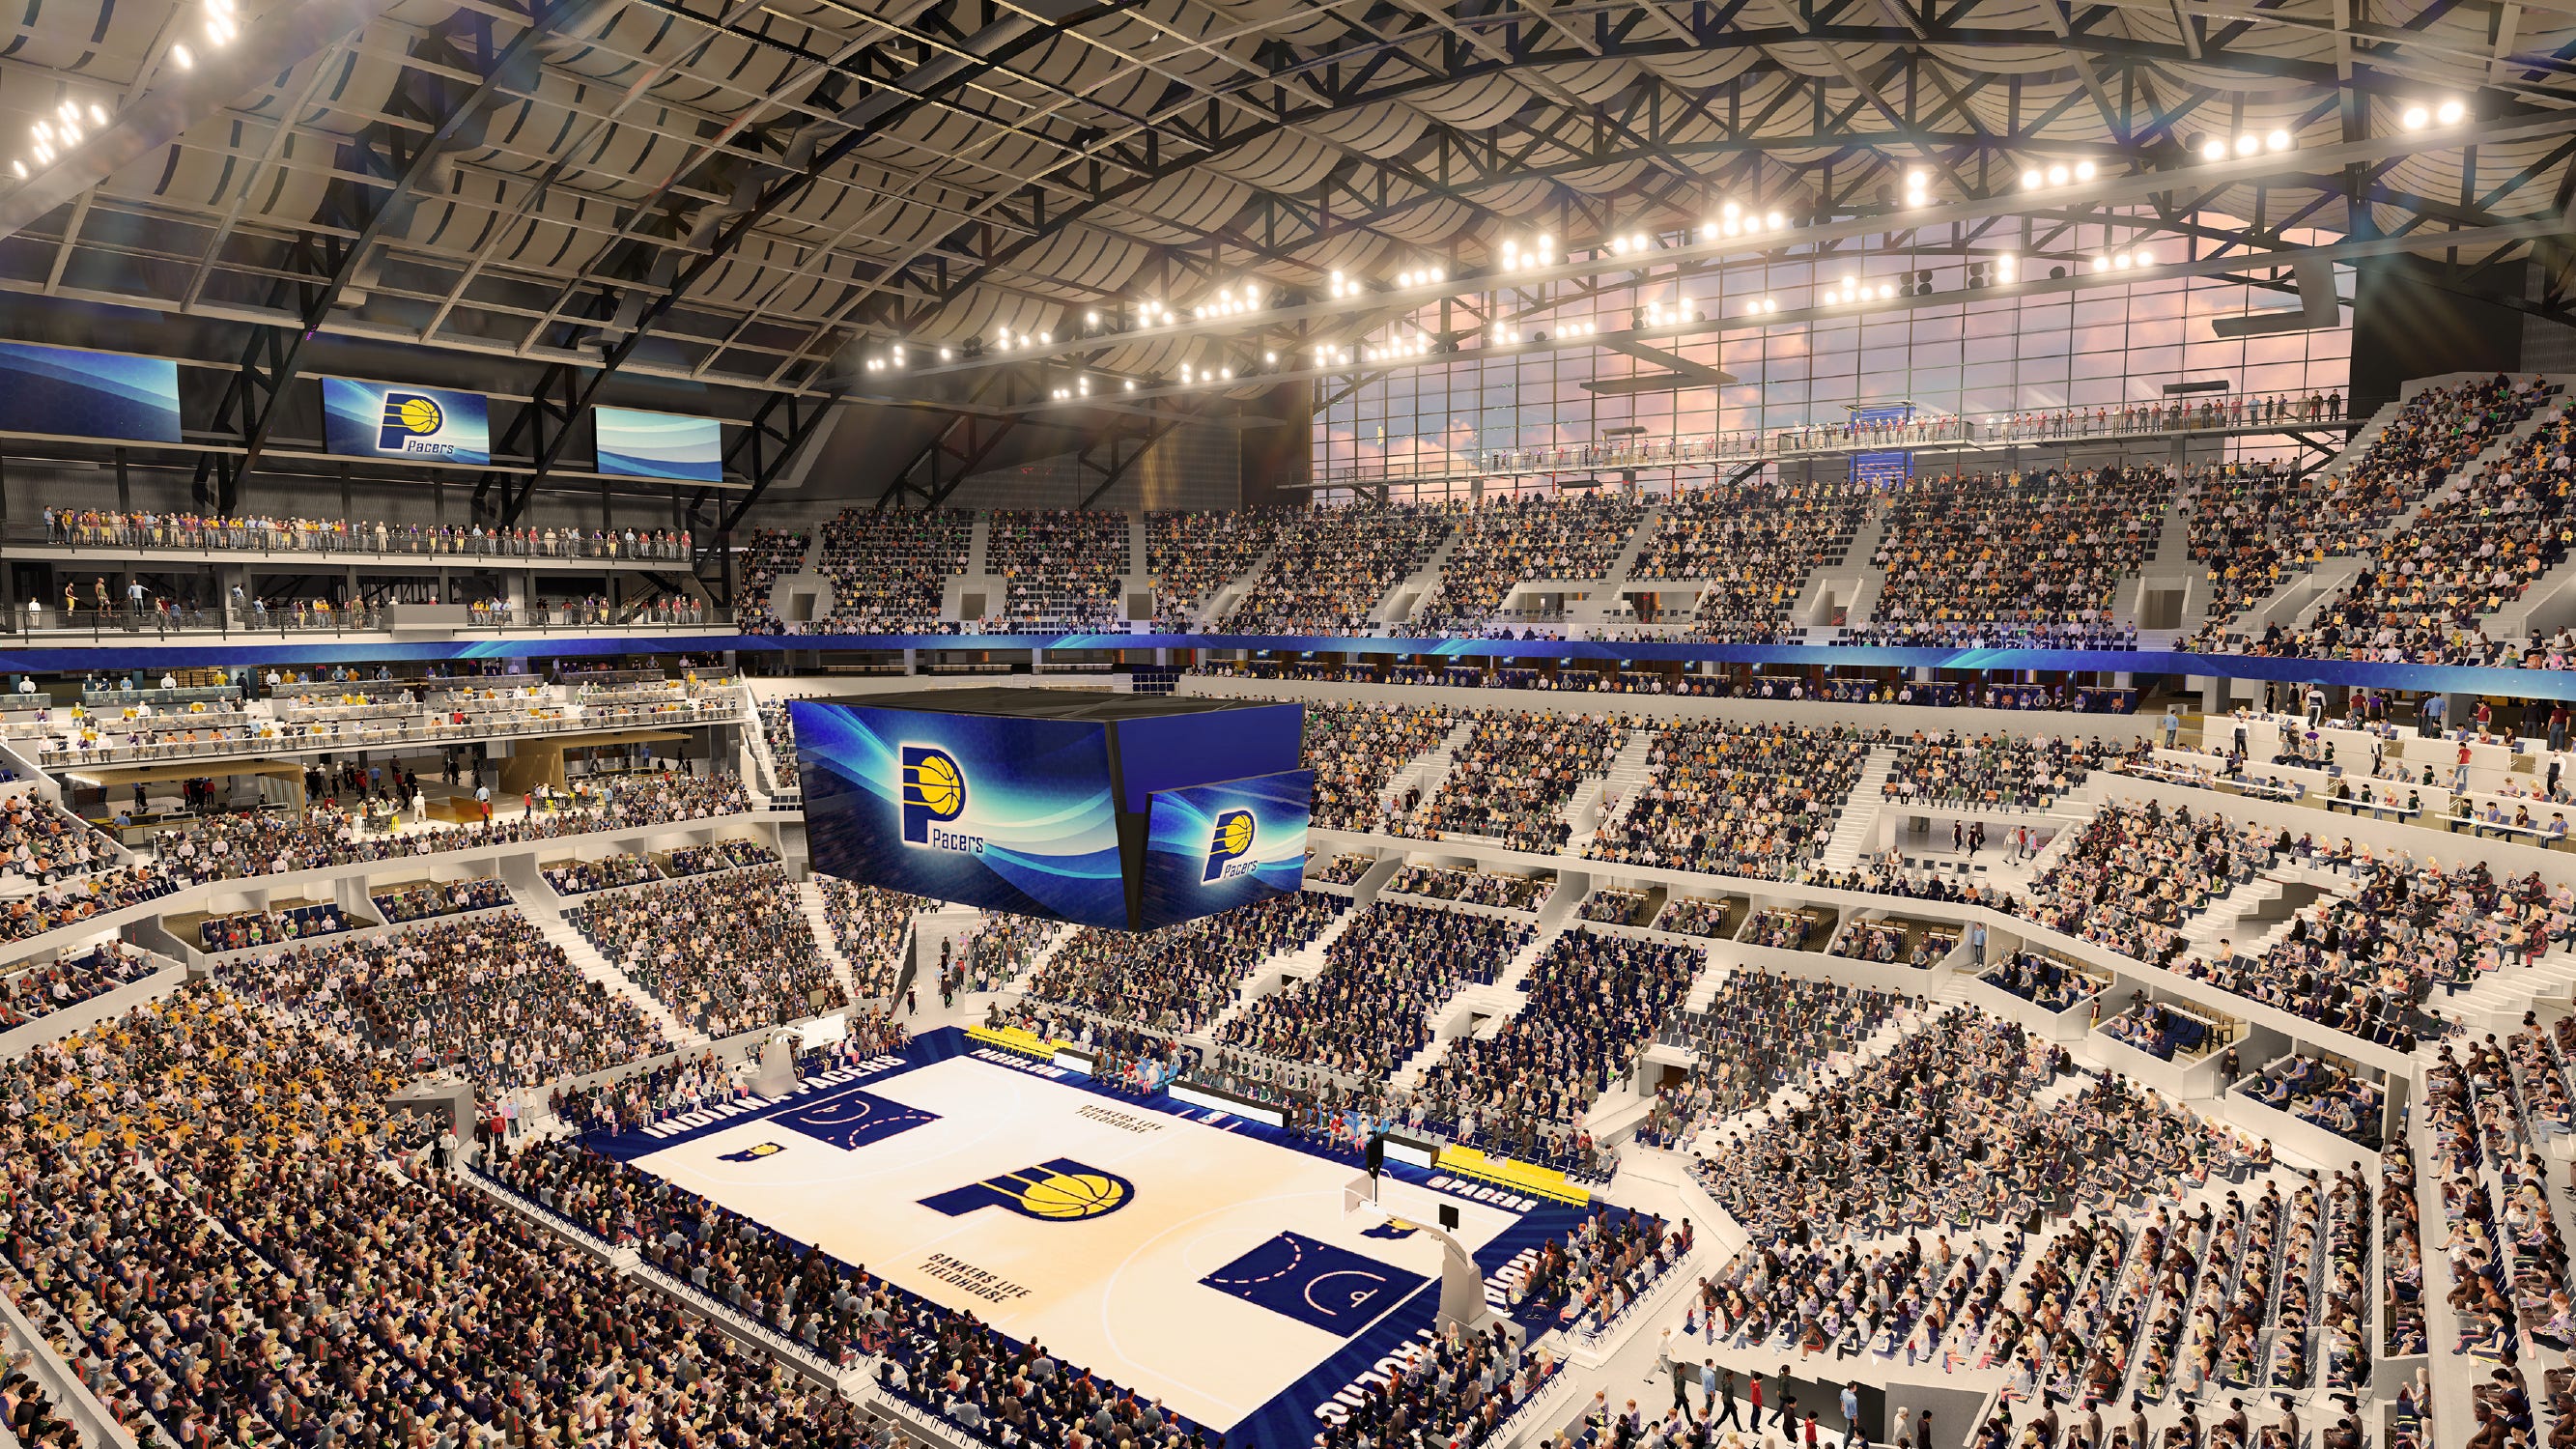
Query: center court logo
1059	1190
1228	844
933	792
410	425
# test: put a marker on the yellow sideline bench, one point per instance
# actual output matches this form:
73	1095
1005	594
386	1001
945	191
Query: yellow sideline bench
1016	1039
1521	1177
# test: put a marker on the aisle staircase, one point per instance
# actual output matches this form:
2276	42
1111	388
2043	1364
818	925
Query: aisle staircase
1607	799
809	900
1860	811
1405	597
1606	597
1220	600
1496	1001
1426	771
593	966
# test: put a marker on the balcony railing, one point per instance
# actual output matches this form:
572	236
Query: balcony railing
2209	413
38	620
364	541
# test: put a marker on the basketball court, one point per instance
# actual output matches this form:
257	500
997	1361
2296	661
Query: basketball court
1185	1258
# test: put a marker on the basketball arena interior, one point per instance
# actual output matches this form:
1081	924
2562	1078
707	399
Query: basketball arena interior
1292	724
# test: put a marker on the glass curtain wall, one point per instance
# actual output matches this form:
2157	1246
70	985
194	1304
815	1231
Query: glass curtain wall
1985	353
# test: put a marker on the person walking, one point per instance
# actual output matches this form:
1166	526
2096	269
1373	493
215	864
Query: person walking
1850	1405
1715	1388
2173	726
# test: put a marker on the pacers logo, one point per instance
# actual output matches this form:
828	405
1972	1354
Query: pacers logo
753	1153
934	793
1227	846
1059	1190
410	425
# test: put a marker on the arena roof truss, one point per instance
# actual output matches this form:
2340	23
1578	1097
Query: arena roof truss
645	197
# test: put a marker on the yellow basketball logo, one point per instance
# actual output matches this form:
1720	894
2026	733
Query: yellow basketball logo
418	415
408	415
1073	1195
1227	847
1060	1190
933	791
936	785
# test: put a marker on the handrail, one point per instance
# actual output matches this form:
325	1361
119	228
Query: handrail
38	620
2228	413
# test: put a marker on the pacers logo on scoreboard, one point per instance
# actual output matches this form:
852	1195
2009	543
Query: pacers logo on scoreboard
1228	845
1059	1190
414	425
934	793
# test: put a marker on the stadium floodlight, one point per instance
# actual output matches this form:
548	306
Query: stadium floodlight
2278	140
2057	176
2415	118
2213	149
180	54
2450	113
2032	178
2084	171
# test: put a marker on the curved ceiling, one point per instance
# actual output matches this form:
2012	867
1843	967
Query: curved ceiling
744	194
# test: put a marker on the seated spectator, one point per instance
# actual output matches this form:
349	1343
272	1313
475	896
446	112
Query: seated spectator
1334	565
1354	749
889	569
491	995
1760	1033
1990	772
1192	555
1990	556
1368	1011
870	926
1592	1001
1178	978
725	953
1756	801
440	898
1754	543
1513	779
1062	569
1513	539
1477	887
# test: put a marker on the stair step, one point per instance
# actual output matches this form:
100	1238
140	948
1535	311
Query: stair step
595	966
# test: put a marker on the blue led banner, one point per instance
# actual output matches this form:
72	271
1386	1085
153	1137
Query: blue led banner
1210	848
634	444
73	393
398	422
284	647
1010	814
